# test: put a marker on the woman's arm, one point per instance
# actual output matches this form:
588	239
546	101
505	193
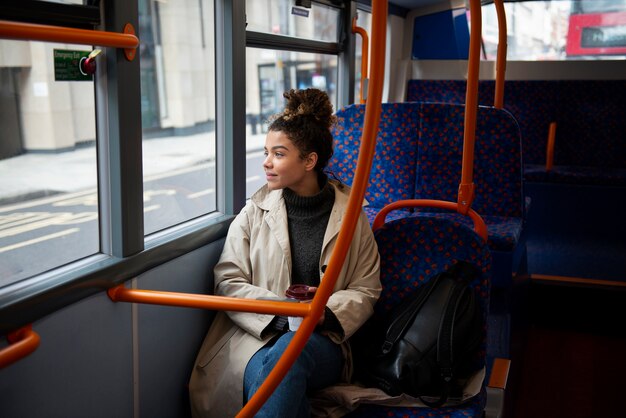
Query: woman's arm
354	304
233	275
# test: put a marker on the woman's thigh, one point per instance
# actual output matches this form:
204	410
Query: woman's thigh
321	361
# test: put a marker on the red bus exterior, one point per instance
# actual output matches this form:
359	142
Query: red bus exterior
587	33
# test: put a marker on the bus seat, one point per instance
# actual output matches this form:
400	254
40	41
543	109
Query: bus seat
393	170
426	140
441	91
532	103
497	166
590	145
412	250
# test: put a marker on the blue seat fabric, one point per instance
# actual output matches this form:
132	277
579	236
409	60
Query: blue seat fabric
412	251
590	146
418	156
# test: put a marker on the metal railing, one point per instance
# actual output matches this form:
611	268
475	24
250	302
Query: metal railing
47	33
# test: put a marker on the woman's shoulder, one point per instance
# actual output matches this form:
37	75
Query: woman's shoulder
340	187
343	190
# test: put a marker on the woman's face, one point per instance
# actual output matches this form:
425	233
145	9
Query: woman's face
284	168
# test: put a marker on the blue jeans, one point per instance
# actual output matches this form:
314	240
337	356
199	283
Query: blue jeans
319	365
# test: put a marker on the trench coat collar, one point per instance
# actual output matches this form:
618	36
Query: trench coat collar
273	203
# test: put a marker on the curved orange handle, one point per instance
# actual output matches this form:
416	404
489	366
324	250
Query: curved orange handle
498	100
364	56
479	224
22	342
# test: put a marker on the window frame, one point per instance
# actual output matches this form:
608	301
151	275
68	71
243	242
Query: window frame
124	251
343	49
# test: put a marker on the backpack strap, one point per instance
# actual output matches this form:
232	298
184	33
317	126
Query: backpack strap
398	326
459	273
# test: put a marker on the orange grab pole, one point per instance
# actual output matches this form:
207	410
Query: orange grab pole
479	224
466	188
550	147
353	211
22	342
498	101
364	57
47	33
190	300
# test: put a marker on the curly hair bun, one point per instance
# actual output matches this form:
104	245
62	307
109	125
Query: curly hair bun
309	102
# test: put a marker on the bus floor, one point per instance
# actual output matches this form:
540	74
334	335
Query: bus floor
570	359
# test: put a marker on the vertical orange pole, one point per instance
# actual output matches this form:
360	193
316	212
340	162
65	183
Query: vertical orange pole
550	147
498	100
353	211
364	57
466	188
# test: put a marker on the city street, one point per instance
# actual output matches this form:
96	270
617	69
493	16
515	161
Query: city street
44	233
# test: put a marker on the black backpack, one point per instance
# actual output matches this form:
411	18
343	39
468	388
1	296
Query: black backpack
430	343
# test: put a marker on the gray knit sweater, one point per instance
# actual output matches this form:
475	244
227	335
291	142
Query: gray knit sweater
307	220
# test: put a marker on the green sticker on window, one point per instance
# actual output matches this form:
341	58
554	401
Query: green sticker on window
67	65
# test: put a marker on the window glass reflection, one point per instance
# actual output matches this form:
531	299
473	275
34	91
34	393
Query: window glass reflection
178	110
558	30
269	73
48	170
281	17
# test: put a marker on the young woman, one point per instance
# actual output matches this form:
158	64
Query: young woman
283	236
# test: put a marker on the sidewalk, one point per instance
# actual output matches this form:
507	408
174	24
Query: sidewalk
34	175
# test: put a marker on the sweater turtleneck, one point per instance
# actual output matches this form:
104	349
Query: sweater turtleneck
307	220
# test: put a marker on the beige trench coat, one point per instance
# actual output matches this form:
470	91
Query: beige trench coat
256	263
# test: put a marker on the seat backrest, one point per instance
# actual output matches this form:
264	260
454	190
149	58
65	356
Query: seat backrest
443	91
497	171
591	124
393	170
414	249
533	103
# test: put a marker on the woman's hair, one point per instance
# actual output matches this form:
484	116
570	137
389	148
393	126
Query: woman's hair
306	120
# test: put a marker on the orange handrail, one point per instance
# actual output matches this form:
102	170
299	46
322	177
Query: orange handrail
498	101
479	224
353	211
48	33
191	300
466	188
364	57
550	146
22	342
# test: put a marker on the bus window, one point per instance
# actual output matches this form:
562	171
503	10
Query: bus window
48	179
178	111
558	30
280	17
288	47
270	73
597	28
